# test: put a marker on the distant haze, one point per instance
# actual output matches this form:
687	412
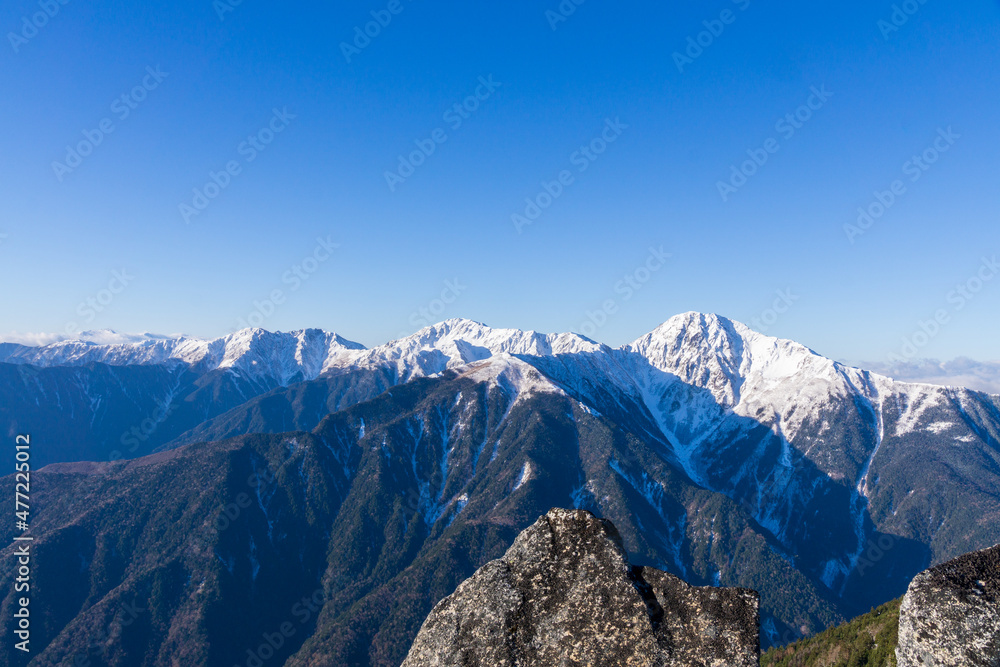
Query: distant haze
961	372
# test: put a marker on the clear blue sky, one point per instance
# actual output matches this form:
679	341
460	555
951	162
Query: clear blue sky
656	184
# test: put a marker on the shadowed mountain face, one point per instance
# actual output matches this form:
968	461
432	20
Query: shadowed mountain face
722	456
372	518
98	412
857	478
90	402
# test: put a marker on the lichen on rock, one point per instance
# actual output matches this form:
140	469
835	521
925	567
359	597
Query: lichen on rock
951	614
565	594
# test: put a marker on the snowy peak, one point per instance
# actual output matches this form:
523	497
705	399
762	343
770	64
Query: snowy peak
106	347
517	377
302	355
457	342
496	341
683	344
728	358
281	357
704	351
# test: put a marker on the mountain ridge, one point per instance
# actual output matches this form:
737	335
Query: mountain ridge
724	456
300	349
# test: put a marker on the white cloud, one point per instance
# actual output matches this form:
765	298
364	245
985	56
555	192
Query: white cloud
32	339
99	337
961	372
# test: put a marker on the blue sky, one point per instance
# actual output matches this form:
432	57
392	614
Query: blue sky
663	131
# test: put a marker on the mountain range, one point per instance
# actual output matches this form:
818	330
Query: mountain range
300	478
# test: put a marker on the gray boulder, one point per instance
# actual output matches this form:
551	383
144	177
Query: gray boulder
565	595
951	614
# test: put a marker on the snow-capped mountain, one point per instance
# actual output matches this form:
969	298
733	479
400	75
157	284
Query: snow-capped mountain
768	422
815	450
457	342
281	356
707	351
302	355
727	455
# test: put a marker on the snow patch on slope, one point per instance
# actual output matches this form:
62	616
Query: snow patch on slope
525	475
515	376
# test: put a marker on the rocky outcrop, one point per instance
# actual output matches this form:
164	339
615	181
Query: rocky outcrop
951	614
565	595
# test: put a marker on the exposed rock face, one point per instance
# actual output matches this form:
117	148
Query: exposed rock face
565	595
951	614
